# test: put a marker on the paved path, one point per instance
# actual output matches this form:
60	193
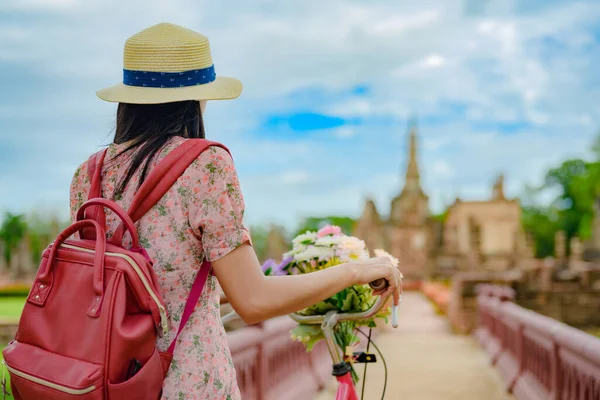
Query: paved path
427	362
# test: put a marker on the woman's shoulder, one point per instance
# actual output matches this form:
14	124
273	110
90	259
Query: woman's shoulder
80	176
214	160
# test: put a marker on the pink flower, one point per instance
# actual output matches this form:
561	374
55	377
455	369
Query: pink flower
329	230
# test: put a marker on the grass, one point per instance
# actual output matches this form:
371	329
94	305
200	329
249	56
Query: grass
11	307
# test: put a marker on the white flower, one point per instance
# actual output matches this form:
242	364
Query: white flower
363	255
383	253
329	240
352	243
351	254
301	239
295	250
314	252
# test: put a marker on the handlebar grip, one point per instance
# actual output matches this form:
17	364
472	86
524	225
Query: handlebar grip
379	284
394	316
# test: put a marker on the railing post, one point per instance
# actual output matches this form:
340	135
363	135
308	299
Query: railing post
262	366
554	372
520	353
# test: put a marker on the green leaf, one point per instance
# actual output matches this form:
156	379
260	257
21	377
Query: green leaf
348	302
308	334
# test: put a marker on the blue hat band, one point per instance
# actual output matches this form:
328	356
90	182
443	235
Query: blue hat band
169	79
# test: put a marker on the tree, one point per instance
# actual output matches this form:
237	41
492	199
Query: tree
12	231
315	223
441	217
577	182
542	223
572	211
41	231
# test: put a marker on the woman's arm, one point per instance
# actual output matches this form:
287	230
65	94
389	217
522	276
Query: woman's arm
223	299
256	297
216	214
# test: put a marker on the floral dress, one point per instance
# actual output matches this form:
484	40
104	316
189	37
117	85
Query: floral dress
199	217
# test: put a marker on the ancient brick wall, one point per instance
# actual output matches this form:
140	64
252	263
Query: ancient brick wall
574	301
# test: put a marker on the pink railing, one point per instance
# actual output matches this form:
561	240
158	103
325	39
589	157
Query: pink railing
270	366
437	293
538	357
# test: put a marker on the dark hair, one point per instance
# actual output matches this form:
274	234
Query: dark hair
150	126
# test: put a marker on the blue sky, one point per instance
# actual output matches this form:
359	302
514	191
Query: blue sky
498	86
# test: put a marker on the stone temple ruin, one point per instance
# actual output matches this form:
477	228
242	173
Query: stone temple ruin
484	242
475	235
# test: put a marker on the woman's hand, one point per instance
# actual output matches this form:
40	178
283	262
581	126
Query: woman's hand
367	271
256	297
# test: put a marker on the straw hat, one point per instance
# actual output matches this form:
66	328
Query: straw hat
167	63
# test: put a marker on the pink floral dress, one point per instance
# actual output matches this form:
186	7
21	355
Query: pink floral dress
199	217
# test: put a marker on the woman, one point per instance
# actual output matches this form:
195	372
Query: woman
168	76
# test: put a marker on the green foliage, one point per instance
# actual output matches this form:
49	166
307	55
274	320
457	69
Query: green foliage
577	184
259	234
308	334
12	231
7	376
440	217
316	223
543	223
39	230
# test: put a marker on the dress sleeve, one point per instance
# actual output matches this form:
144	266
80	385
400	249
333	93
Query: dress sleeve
217	205
79	189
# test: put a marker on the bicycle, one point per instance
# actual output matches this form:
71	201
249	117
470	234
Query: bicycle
341	368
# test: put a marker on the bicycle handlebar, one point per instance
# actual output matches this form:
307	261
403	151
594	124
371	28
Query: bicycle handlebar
319	319
378	284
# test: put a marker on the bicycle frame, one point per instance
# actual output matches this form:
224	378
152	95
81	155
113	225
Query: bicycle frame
341	369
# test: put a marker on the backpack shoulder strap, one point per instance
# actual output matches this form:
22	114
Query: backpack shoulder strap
94	170
192	300
162	177
166	173
158	182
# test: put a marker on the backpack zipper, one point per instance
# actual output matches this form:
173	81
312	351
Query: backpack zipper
51	385
161	309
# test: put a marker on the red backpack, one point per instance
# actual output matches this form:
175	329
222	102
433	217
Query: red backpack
91	320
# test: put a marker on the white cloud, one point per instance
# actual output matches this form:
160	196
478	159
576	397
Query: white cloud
394	24
415	57
433	61
36	5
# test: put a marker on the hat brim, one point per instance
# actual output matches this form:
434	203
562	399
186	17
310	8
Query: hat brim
222	88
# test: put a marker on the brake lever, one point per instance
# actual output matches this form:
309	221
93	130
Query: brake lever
381	284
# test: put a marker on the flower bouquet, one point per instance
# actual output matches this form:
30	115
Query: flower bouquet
314	251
